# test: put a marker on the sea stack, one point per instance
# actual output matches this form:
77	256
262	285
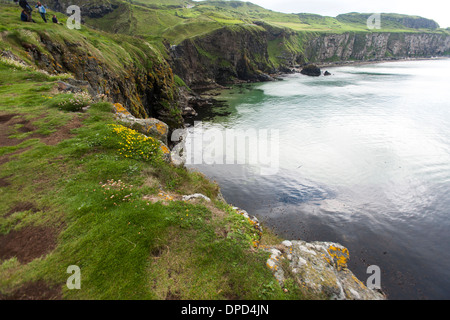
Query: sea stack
311	70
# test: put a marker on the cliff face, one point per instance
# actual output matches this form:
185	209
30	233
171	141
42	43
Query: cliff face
223	56
376	46
126	70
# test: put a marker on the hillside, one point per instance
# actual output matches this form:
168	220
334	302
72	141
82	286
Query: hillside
221	42
128	70
77	187
177	20
82	183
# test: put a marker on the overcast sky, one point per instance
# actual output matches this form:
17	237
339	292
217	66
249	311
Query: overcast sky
438	10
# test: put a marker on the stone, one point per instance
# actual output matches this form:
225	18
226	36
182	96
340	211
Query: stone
165	152
64	86
311	70
322	268
83	85
196	196
178	155
150	127
287	243
326	73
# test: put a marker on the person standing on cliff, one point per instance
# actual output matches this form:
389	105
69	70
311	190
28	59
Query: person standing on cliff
26	7
42	11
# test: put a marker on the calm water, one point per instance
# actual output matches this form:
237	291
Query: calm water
364	160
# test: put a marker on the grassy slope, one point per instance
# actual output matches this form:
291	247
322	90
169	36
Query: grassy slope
176	23
126	249
123	55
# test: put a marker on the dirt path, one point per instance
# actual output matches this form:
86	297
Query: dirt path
30	242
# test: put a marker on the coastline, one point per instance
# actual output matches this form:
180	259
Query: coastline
208	93
366	62
285	250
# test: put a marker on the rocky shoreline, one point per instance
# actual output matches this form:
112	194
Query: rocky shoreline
320	267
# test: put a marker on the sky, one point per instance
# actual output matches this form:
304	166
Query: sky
438	10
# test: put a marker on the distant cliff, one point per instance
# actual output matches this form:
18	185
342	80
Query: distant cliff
376	46
223	56
251	52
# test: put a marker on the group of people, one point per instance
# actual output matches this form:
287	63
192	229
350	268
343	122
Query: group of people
27	11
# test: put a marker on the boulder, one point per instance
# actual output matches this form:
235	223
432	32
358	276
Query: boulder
322	268
311	70
66	87
196	196
326	73
178	155
150	127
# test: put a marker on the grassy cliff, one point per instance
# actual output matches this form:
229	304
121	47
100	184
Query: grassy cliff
71	195
260	41
77	188
124	68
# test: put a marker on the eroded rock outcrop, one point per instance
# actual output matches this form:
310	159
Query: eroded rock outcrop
311	70
375	46
322	268
223	56
133	74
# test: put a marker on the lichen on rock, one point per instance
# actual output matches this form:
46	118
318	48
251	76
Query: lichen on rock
150	127
322	268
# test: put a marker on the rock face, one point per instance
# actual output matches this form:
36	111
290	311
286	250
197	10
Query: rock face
375	46
150	127
223	56
251	53
321	267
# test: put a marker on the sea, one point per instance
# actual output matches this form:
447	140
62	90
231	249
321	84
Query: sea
360	157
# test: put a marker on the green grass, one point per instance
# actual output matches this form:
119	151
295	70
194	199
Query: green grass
126	246
120	55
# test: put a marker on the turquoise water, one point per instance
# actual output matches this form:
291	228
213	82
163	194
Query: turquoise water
364	160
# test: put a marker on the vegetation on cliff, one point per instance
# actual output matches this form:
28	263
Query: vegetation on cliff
77	189
263	41
124	68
